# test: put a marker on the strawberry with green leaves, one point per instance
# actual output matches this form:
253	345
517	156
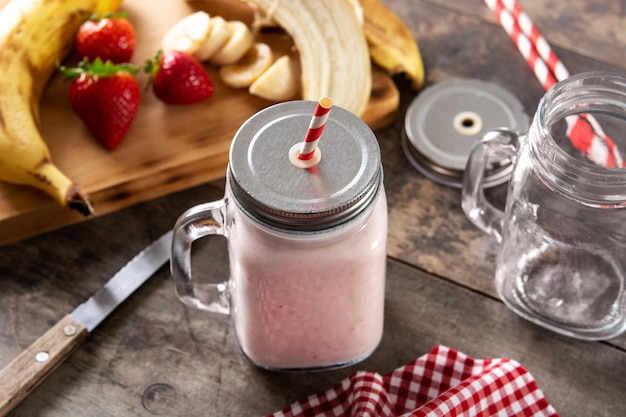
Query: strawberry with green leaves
178	78
110	37
106	98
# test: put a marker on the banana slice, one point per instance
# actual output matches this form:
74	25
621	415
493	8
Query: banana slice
280	82
219	33
188	34
247	69
241	39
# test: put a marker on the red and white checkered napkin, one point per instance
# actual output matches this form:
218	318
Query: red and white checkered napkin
443	382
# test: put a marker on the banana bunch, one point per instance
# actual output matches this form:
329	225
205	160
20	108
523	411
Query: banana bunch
34	36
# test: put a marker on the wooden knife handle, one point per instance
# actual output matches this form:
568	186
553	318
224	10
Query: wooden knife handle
33	365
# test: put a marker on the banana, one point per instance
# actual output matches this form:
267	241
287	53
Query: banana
330	40
249	67
188	34
219	33
240	40
279	82
34	35
391	43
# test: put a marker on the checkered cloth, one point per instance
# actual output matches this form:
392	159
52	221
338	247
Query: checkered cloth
443	382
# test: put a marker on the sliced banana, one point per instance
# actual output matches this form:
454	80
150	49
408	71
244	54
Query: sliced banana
241	39
279	82
249	67
219	33
188	34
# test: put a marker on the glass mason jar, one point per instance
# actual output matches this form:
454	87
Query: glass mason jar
307	247
562	258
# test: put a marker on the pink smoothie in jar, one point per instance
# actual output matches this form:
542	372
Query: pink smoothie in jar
307	246
319	300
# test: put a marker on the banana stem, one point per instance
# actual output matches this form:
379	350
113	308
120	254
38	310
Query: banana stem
52	181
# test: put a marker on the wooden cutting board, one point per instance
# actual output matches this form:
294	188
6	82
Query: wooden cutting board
168	148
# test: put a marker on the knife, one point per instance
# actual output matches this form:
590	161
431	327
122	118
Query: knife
38	361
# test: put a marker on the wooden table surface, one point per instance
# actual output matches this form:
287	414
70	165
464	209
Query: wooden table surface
154	356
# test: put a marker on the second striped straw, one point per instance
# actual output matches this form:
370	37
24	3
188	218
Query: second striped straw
584	132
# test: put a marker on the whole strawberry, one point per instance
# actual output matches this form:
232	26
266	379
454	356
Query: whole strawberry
106	98
110	38
178	78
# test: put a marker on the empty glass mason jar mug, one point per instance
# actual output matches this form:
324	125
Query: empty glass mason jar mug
562	259
306	246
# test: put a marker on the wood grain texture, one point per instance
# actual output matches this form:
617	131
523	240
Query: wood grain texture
590	28
168	148
153	355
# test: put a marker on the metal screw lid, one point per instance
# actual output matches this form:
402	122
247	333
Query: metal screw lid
272	190
447	118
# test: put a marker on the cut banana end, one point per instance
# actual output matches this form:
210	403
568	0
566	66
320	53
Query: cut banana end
279	82
243	72
66	192
219	33
241	39
188	34
48	178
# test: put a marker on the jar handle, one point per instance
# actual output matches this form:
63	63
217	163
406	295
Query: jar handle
497	143
197	222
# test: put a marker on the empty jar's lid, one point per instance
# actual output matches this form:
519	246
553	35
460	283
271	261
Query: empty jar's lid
271	189
446	119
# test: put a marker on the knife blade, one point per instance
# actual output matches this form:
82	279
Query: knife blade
41	358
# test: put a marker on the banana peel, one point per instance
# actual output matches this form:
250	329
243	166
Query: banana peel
391	44
333	51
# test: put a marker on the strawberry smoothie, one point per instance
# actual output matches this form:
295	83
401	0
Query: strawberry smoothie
307	244
319	302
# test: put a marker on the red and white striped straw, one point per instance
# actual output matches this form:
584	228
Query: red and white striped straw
307	154
584	132
316	127
524	44
541	44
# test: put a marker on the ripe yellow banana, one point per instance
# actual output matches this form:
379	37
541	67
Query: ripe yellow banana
34	35
392	46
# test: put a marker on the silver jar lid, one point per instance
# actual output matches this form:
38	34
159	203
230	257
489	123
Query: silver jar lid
445	120
272	190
